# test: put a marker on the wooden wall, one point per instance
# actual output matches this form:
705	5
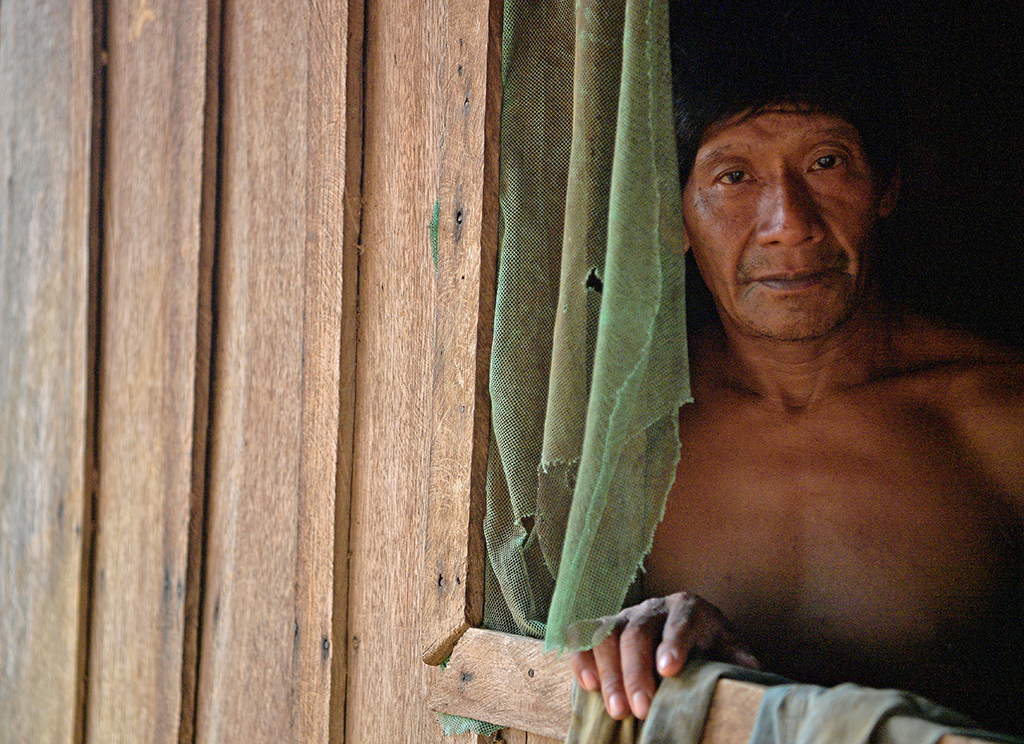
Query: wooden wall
246	264
151	266
219	304
46	107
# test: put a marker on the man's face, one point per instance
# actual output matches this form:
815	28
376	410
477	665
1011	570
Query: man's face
779	212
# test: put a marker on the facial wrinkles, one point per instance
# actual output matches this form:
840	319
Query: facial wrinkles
823	256
758	263
783	220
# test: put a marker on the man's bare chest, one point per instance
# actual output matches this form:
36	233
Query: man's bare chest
861	526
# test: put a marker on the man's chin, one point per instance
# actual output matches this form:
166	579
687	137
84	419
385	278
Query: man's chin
797	327
797	316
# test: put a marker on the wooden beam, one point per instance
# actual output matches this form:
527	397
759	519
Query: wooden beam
733	710
515	736
510	681
46	466
464	232
153	272
411	69
267	630
507	680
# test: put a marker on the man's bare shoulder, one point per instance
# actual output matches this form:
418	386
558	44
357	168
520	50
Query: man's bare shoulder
923	342
973	371
979	385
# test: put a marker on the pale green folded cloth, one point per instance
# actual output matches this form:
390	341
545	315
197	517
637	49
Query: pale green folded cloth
789	714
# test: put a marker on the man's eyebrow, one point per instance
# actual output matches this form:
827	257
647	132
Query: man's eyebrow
722	152
839	131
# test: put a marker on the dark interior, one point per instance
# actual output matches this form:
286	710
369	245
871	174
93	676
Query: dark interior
955	247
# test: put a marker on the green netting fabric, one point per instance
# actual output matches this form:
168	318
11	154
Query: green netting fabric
455	725
589	362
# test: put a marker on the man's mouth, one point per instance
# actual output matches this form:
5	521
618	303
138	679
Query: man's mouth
794	282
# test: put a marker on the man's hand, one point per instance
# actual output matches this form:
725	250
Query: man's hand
623	665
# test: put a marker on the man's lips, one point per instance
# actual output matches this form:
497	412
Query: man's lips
794	282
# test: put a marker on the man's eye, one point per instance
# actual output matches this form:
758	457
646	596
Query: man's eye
733	177
825	162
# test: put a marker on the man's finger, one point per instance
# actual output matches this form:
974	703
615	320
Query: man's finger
737	653
584	668
636	650
677	637
741	657
606	656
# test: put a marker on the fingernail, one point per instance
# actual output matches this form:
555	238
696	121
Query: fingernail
590	680
640	704
616	705
666	659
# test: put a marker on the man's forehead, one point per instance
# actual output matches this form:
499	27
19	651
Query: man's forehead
743	131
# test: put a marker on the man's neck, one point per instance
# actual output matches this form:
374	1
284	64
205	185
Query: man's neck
796	374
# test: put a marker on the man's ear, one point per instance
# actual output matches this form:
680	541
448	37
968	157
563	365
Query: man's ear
891	195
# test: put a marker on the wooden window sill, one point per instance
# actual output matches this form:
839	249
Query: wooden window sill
509	680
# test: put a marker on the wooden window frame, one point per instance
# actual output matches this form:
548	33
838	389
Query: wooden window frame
490	676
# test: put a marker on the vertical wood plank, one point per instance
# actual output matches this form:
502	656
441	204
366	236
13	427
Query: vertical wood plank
387	680
150	289
413	51
325	323
464	279
46	67
347	384
204	350
267	628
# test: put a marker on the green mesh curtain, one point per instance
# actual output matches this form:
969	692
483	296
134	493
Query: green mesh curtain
589	362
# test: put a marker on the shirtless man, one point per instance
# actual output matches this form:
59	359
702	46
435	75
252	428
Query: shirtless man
850	498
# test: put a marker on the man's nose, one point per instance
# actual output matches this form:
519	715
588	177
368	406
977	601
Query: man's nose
788	214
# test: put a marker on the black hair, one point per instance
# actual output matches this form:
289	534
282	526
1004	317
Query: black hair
731	57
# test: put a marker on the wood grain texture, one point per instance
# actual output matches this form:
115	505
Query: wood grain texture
266	643
510	681
347	368
404	133
150	289
733	710
466	223
387	680
507	680
204	344
46	66
514	736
